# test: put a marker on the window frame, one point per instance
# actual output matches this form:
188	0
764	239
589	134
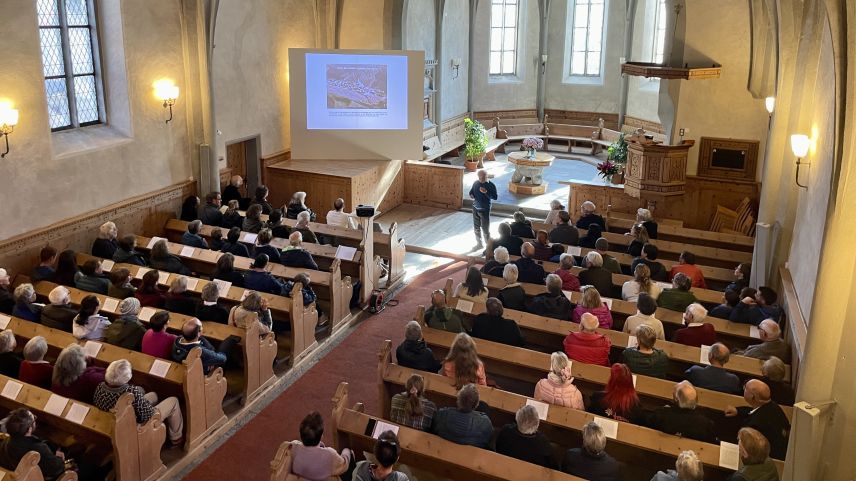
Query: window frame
570	21
514	71
68	65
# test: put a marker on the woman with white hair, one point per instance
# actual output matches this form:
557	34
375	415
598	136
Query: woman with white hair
25	303
688	467
494	266
553	216
591	461
117	382
523	441
570	282
72	377
588	216
160	258
558	387
414	351
58	314
646	219
512	296
552	303
127	331
105	245
296	205
10	361
34	369
302	226
178	299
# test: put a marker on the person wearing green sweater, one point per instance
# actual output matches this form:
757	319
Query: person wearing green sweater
679	296
755	458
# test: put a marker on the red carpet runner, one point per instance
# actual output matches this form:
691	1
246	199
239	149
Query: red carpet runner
248	453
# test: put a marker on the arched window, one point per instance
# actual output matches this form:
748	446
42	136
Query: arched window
504	16
586	37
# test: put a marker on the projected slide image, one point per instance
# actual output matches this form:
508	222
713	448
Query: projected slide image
356	86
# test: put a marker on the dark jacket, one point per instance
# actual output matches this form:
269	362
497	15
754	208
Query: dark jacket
12	449
781	393
771	421
417	355
211	215
193	240
271	251
104	248
125	332
27	311
237	249
658	271
58	317
210	357
598	277
180	303
251	225
532	448
91	283
585	221
212	313
512	297
298	258
235	277
611	263
635	250
308	235
722	311
655	364
263	282
493	268
651	227
230	193
548	305
565	234
753	314
473	428
294	209
497	329
43	273
522	229
170	264
10	364
593	467
510	242
306	292
132	257
529	271
482	201
447	319
7	301
714	378
689	423
233	219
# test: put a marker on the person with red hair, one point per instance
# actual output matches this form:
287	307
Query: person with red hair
619	400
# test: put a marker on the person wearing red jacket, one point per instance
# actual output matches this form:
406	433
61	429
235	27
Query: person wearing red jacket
686	264
588	345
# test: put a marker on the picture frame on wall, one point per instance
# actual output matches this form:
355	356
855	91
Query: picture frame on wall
732	159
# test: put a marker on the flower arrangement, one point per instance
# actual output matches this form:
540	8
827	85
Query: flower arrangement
618	150
533	143
607	169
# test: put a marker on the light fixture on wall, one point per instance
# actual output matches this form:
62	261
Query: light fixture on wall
456	65
770	103
8	121
800	143
166	91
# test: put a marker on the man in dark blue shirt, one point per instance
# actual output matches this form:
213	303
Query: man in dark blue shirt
482	192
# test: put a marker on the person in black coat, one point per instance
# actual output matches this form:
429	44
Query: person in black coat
226	271
528	270
588	217
492	326
126	251
209	309
10	361
105	245
261	199
233	192
7	299
682	418
414	353
593	233
565	233
264	247
233	245
162	260
523	441
522	227
595	275
211	214
177	299
190	208
295	256
763	415
648	256
20	425
644	217
773	374
507	240
552	303
232	217
591	461
274	223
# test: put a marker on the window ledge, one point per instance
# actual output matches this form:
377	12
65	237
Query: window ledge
504	79
582	80
68	143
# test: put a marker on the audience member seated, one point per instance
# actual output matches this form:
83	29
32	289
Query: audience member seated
512	296
178	299
215	242
570	282
587	345
232	192
641	283
7	300
558	387
126	330
277	228
755	462
742	273
105	245
313	461
552	303
764	415
556	208
588	216
263	246
440	316
714	376
25	303
523	441
59	314
753	311
528	270
190	208
120	284
411	408
696	332
491	326
149	294
126	251
521	227
295	256
117	381
640	238
472	288
507	240
233	245
772	345
414	353
308	294
211	214
591	462
463	424
386	451
88	324
226	271
609	263
232	217
156	341
192	238
66	269
589	240
648	256
72	377
595	275
592	303
644	358
90	277
297	204
730	299
773	374
644	217
681	417
191	336
677	297
618	400
462	364
544	251
20	426
495	266
209	310
161	259
253	219
564	233
688	467
302	226
259	279
260	199
338	217
646	307
10	361
45	270
34	369
253	309
686	265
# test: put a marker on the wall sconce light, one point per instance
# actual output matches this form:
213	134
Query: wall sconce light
166	91
544	63
8	121
770	103
800	144
456	64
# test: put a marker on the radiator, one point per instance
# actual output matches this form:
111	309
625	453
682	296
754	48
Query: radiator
766	237
806	442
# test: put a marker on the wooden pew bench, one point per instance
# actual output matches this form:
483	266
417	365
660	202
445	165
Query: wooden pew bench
259	352
28	470
678	233
437	148
605	138
493	144
513	130
572	134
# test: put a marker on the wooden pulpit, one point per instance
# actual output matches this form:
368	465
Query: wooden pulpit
655	170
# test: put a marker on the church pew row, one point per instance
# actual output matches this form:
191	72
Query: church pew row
303	318
633	444
28	470
201	396
735	335
135	448
677	233
334	291
259	352
547	335
531	366
323	254
429	453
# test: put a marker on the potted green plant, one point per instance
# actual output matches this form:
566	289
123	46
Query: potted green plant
475	141
617	153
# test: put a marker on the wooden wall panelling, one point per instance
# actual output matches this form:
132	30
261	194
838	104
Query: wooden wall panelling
434	185
268	160
225	177
236	158
635	123
487	117
610	121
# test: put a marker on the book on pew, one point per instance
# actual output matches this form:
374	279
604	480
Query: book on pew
704	352
11	389
346	253
91	348
146	314
141	272
376	427
159	368
186	251
542	408
4	321
107	265
729	455
110	305
55	405
609	426
77	413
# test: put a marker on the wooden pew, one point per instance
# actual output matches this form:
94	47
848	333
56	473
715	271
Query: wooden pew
450	143
667	231
135	448
259	352
633	444
28	470
518	129
605	138
202	396
572	134
493	144
430	453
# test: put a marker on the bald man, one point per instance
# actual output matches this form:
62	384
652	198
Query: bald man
772	345
763	415
527	269
714	376
191	337
482	193
681	417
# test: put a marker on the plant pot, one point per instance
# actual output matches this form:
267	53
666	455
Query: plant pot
618	178
471	166
476	159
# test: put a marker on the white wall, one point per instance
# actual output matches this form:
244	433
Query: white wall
420	27
643	95
456	25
